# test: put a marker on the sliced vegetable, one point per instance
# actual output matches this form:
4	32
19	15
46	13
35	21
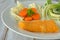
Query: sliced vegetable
48	2
34	10
33	5
28	18
36	16
36	7
52	11
19	5
23	12
14	10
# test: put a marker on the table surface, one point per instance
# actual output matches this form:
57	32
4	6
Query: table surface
4	32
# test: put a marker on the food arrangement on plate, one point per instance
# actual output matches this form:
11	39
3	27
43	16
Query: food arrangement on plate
30	18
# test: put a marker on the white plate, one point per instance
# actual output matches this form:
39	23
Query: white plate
10	22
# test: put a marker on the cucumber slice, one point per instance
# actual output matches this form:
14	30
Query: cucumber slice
53	14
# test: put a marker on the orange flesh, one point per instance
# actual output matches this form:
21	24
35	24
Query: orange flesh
45	26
